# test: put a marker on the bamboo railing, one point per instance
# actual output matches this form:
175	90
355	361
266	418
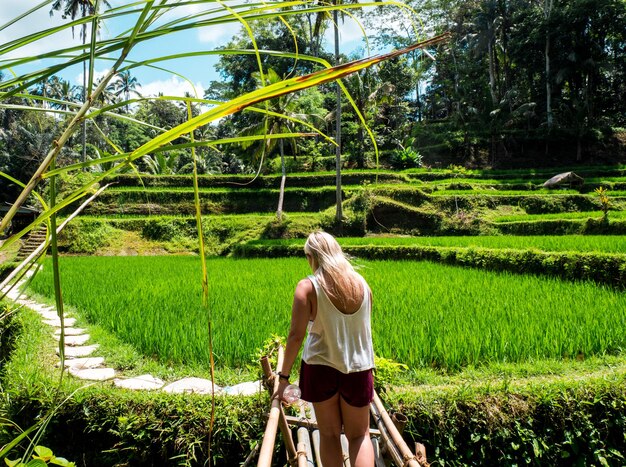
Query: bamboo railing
386	436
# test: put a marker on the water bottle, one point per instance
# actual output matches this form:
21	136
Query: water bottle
291	394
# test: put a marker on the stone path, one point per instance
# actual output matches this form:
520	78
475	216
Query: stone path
81	363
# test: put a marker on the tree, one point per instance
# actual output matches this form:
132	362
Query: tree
125	85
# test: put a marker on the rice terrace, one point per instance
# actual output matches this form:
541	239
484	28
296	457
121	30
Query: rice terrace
163	162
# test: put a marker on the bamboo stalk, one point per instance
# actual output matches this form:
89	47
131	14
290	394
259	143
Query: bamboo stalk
378	455
345	450
399	421
388	445
276	419
267	447
408	458
315	436
303	460
304	439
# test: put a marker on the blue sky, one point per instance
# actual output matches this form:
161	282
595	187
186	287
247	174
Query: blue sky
200	71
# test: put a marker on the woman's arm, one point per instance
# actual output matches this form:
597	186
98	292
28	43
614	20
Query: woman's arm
300	316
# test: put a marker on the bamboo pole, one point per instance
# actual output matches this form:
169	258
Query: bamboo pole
399	421
304	439
408	458
388	445
276	419
378	455
303	460
315	436
267	447
345	450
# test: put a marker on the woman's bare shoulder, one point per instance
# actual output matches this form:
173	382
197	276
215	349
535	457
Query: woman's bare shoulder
305	286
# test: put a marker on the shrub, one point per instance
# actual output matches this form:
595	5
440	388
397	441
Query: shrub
407	158
82	236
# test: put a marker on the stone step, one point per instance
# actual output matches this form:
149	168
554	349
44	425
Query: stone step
192	386
57	322
143	382
244	389
74	340
70	331
83	363
80	351
93	374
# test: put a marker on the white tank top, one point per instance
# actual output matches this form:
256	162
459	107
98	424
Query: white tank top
341	341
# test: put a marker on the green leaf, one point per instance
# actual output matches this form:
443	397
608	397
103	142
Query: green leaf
36	463
14	463
44	452
62	462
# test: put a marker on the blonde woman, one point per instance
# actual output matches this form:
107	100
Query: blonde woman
335	304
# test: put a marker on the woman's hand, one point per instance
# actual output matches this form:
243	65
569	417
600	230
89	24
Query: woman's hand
282	384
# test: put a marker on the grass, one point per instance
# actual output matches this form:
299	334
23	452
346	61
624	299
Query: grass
426	315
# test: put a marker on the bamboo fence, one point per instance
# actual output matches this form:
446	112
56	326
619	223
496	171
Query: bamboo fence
386	434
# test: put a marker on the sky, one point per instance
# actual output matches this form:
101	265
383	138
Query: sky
199	71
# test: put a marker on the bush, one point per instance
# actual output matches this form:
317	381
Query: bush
407	158
83	236
546	425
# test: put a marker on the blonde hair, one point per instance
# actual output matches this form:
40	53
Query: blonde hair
334	271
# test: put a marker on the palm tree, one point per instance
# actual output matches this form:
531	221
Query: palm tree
67	93
108	95
126	85
72	9
50	88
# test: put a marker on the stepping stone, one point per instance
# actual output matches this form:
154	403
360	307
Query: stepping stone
83	363
243	389
71	331
192	385
82	351
57	322
146	382
50	315
93	374
74	340
41	308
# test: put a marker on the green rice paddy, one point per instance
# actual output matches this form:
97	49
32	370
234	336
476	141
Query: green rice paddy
424	314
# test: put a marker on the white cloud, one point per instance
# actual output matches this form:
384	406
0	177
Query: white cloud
96	76
219	34
173	86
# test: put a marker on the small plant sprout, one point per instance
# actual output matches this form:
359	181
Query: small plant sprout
605	203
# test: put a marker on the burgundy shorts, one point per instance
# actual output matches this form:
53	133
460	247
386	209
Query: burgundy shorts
320	382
